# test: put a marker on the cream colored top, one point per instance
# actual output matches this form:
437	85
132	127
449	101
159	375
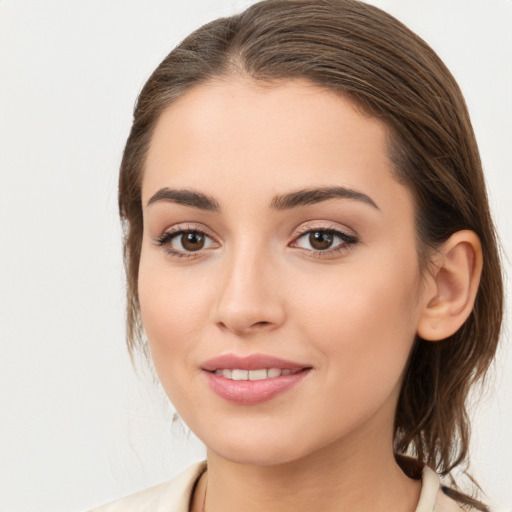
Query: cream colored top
174	495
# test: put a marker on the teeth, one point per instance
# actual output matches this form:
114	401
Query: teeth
240	375
259	374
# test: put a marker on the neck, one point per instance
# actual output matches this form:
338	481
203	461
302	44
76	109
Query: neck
332	479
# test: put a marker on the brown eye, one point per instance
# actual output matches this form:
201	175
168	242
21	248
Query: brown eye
326	242
186	242
321	240
192	241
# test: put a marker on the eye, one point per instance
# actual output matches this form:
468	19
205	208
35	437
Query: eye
184	242
324	240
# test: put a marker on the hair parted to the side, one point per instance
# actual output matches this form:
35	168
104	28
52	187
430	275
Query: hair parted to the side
361	52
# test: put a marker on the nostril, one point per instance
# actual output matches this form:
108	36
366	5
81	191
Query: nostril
261	324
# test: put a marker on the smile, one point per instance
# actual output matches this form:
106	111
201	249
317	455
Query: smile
253	379
260	374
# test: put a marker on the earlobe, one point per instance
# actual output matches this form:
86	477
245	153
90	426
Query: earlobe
452	287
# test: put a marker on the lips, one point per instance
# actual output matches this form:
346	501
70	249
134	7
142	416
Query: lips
253	379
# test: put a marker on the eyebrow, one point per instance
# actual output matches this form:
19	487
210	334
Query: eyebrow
288	201
186	197
317	195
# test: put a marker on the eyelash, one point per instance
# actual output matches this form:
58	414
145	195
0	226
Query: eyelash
165	239
347	241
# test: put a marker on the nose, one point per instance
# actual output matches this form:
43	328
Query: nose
250	298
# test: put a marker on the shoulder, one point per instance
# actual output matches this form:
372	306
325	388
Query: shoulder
174	495
171	496
432	497
446	504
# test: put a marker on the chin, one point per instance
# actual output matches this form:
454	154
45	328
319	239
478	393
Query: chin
252	449
258	455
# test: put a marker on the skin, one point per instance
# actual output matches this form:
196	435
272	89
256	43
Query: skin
257	287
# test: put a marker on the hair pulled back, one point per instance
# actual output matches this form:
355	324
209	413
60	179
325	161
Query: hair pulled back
361	52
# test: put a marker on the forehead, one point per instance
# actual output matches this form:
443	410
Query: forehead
244	136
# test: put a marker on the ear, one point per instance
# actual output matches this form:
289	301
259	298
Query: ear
451	287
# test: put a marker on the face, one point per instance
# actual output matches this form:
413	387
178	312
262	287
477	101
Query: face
279	282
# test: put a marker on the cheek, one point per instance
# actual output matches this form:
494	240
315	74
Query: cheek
173	314
362	296
364	324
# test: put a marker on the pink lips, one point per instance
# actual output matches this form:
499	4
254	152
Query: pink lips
249	392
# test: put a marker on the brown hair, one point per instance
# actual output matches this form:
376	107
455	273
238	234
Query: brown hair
361	52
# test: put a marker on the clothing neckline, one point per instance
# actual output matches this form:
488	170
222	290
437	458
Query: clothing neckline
430	485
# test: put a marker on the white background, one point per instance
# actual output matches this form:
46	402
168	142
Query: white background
77	427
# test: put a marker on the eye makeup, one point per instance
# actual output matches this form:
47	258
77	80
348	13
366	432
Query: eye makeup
185	241
323	242
313	240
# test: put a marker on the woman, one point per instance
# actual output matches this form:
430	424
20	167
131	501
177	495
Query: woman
310	254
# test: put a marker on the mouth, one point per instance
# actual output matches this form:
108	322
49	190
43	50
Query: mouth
254	379
254	363
259	374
